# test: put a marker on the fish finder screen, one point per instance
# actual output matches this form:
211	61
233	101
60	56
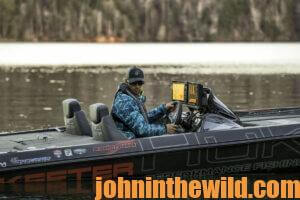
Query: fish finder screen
192	93
178	91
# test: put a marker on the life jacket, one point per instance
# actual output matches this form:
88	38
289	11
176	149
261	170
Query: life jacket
123	88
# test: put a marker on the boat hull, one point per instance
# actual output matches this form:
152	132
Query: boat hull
48	156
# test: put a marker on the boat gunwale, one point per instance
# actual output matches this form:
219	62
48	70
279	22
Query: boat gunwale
240	113
265	111
146	152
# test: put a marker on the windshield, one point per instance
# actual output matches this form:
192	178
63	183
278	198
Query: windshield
212	122
222	108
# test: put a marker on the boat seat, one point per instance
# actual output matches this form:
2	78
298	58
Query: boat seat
110	130
97	112
103	126
75	118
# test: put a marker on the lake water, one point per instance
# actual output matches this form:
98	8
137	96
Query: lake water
34	79
32	99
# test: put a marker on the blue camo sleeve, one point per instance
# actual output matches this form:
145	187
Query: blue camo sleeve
157	113
128	112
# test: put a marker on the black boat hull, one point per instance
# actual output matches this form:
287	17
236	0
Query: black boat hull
189	155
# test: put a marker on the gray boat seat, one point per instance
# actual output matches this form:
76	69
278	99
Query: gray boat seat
103	126
97	112
110	130
75	118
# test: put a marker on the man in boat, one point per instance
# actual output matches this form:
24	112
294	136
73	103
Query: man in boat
129	111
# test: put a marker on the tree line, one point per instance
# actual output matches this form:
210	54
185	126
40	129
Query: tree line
147	20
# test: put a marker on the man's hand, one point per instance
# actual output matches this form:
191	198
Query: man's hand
170	106
171	128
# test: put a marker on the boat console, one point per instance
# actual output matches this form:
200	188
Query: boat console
206	111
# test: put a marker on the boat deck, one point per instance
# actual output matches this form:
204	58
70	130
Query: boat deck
57	137
270	117
34	140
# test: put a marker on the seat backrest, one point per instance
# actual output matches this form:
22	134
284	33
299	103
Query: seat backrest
75	118
70	106
103	126
110	130
97	112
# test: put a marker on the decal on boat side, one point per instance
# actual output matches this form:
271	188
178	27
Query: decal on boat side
255	154
292	145
276	164
3	164
80	151
17	161
57	153
252	151
114	148
241	168
68	152
107	171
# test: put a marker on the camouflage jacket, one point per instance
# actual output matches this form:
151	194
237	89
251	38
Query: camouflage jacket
130	120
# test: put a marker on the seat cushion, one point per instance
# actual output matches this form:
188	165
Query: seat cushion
83	124
110	131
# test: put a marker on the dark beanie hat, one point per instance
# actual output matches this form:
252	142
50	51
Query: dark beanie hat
135	74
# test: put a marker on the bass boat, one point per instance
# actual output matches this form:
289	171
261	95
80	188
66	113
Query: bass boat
211	140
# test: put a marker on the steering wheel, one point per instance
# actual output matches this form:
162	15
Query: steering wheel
175	116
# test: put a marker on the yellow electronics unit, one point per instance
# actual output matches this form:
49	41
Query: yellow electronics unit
195	94
179	91
188	93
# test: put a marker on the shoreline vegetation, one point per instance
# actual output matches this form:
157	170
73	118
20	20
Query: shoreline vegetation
246	69
118	21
